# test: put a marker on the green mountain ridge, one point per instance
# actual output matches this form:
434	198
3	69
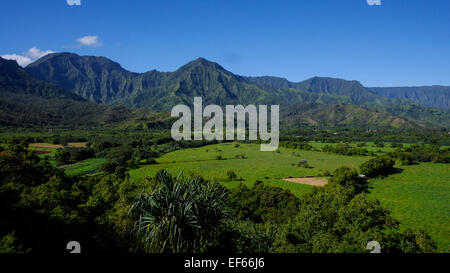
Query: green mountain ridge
336	116
95	78
104	81
326	85
357	94
14	79
435	96
27	102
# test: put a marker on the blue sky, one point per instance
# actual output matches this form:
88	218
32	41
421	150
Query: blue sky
400	43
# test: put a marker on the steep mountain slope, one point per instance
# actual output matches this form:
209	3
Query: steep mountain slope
26	101
197	78
357	94
14	79
332	86
352	89
95	78
434	96
216	86
101	80
339	116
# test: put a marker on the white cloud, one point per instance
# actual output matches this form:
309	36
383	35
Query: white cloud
21	60
89	41
36	53
73	2
28	57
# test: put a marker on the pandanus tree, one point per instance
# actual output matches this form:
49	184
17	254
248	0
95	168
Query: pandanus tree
181	215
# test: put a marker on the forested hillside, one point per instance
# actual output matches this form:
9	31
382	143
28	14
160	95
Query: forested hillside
434	96
101	80
26	101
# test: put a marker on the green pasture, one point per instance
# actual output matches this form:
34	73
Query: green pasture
270	167
50	154
84	167
80	168
419	197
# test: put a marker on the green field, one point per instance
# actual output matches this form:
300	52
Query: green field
84	167
418	196
50	154
264	166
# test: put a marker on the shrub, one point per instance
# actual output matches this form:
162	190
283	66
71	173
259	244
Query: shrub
396	145
378	143
69	155
196	212
404	158
231	175
429	153
263	203
9	244
344	149
246	237
303	164
377	166
349	179
296	145
151	161
109	167
346	223
120	171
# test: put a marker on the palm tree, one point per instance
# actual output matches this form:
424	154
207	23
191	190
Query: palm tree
181	215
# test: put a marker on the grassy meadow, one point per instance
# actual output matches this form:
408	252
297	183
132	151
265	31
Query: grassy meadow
264	166
84	167
418	196
48	150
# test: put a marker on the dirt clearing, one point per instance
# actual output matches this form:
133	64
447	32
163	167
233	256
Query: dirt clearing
78	144
45	145
57	146
313	181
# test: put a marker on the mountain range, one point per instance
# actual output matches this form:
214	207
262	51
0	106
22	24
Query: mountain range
26	101
104	81
435	96
324	102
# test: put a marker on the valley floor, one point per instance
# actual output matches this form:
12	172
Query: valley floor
418	196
